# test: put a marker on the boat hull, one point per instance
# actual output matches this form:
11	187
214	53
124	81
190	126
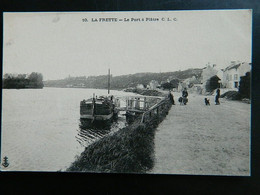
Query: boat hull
97	117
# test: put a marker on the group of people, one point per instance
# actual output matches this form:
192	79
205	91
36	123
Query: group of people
184	98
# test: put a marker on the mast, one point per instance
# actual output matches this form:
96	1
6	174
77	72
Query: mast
108	88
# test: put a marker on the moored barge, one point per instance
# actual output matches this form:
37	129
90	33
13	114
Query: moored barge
98	108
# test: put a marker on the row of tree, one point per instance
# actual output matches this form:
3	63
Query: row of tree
245	85
22	81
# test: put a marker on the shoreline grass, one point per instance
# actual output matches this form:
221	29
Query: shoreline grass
129	150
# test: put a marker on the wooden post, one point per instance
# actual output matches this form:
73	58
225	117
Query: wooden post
130	102
108	87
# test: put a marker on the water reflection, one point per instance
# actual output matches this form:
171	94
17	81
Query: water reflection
89	132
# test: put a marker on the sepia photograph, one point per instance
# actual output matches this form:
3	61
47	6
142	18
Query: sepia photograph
144	92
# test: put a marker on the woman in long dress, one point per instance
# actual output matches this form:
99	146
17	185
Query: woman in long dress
217	97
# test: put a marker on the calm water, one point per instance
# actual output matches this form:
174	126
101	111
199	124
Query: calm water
41	129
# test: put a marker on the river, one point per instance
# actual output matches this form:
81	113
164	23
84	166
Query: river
41	128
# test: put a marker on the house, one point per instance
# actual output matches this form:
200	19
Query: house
208	72
153	84
196	88
181	86
232	74
140	86
211	78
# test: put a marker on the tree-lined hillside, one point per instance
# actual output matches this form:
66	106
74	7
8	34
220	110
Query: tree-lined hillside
123	81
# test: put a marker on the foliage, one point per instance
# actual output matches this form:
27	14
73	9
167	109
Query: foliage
21	81
175	83
244	86
123	81
231	95
167	85
212	84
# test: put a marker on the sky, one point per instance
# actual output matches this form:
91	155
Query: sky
59	44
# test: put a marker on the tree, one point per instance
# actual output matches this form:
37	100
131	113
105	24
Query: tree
212	83
20	81
167	85
35	77
21	76
8	76
244	85
35	80
175	83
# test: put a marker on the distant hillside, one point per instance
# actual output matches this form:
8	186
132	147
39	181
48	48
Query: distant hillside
124	81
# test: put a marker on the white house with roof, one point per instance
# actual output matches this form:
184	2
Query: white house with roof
153	84
209	72
232	74
140	86
181	86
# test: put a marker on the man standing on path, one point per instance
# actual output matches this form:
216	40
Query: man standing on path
217	96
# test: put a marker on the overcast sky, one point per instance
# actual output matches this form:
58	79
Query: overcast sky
61	44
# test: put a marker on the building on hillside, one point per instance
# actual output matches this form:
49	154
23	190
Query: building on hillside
140	86
153	84
232	74
181	86
80	85
196	88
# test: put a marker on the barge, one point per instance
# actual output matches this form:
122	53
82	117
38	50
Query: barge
98	108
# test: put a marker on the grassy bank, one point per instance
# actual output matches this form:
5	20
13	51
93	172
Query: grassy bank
130	150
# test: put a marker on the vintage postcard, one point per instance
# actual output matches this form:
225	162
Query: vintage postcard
150	92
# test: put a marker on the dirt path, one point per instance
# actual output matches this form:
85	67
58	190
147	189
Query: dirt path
204	140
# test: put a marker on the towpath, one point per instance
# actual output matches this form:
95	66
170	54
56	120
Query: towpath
204	140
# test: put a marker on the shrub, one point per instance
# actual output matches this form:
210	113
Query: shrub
244	86
232	95
212	84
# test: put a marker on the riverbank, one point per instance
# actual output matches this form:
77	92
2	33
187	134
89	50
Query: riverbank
129	150
17	87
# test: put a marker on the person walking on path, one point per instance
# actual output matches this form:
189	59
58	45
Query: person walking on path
184	96
217	96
